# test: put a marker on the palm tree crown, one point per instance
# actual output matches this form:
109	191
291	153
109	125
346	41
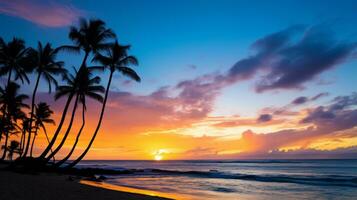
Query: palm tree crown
11	103
14	59
117	59
90	36
44	61
43	115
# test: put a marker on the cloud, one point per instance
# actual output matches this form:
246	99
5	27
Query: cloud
289	58
298	60
338	115
44	13
318	96
302	100
264	118
299	100
248	122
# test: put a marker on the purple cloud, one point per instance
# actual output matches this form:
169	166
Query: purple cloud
44	13
299	100
264	118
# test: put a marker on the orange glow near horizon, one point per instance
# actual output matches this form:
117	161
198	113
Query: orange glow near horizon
124	137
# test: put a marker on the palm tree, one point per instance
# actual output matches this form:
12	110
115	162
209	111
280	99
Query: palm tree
90	36
8	129
46	66
11	106
65	90
116	60
12	148
24	128
42	116
88	87
84	86
14	59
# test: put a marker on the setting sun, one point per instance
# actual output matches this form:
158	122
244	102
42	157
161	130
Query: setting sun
158	157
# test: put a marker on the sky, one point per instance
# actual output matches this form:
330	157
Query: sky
220	79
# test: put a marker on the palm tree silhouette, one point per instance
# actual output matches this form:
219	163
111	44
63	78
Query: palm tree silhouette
45	65
14	59
88	87
42	116
12	148
91	37
25	123
84	85
116	60
7	128
12	108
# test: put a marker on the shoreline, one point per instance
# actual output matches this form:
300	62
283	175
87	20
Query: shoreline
44	186
119	188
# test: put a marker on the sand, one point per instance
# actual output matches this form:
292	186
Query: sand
15	186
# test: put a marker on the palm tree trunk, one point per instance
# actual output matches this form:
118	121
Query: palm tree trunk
21	142
67	131
9	77
53	140
32	114
85	59
98	126
77	139
33	142
48	140
5	146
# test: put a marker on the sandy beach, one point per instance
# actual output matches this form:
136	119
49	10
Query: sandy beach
17	186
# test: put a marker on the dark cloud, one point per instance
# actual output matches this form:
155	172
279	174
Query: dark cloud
303	100
286	59
318	114
318	96
265	49
299	100
342	102
264	118
291	57
297	62
336	116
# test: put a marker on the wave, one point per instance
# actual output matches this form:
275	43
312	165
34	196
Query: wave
320	180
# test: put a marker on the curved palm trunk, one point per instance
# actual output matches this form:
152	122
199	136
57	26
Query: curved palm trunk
98	126
77	139
53	140
48	140
67	131
33	142
32	114
5	146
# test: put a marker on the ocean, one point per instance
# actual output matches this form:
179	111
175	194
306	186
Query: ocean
239	179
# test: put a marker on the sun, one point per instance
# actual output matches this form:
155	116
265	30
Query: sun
158	157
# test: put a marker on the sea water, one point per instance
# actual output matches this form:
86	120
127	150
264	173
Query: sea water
239	179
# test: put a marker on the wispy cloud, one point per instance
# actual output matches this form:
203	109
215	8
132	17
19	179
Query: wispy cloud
44	13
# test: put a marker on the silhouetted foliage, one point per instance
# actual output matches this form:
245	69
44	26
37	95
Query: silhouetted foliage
17	61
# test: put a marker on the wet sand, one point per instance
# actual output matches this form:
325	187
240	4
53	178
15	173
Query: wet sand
45	186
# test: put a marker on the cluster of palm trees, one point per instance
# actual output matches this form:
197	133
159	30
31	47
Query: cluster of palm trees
99	45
